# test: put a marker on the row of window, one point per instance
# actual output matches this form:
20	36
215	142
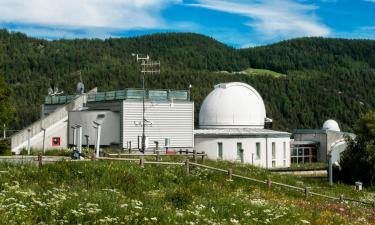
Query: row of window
257	150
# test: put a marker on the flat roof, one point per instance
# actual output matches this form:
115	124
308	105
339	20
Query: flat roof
240	132
130	93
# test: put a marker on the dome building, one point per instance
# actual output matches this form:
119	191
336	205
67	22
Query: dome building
231	127
316	145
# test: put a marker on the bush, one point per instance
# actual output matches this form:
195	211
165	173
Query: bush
5	147
180	198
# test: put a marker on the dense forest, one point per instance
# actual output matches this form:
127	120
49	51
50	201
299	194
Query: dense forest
325	78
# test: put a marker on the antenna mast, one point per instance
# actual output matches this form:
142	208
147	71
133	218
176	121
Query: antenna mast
147	67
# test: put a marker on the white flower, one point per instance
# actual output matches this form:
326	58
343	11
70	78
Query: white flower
233	220
305	221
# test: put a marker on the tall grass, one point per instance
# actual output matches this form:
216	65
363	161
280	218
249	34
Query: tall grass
103	192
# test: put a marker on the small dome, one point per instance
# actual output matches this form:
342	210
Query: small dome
232	105
331	125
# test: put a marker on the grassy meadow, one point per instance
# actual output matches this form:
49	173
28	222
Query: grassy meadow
103	192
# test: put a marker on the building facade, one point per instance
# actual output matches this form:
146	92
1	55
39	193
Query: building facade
67	122
232	120
317	145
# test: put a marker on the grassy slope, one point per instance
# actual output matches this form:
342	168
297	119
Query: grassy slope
263	72
123	193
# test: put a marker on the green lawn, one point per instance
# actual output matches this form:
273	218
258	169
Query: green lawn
263	72
103	192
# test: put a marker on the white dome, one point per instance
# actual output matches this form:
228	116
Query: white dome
232	105
331	125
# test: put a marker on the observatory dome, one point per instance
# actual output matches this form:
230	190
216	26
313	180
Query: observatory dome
232	105
331	125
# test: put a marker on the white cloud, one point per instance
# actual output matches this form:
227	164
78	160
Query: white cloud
373	1
272	18
86	14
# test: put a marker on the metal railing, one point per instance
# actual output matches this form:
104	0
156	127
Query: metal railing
153	95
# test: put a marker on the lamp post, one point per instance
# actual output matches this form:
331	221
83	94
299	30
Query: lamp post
28	141
330	174
97	143
147	67
79	139
44	140
74	134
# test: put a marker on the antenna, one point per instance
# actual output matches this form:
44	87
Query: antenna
147	67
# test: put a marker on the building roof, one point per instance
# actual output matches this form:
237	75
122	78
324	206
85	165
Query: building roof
232	105
240	132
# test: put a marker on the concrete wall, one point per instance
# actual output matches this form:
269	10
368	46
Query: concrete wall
166	120
110	128
210	146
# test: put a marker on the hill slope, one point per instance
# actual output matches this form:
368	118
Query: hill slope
123	193
325	78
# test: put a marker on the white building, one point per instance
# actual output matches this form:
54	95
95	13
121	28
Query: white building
70	121
316	145
232	120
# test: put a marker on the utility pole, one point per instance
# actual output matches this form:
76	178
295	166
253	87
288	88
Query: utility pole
147	67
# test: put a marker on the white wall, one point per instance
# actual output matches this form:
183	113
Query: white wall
210	146
59	129
110	128
169	120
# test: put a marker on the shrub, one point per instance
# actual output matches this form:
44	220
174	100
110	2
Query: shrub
180	198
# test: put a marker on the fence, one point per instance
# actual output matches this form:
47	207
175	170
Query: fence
159	154
229	172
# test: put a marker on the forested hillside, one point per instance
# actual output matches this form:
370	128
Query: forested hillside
325	78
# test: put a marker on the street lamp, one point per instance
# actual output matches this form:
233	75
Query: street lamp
97	144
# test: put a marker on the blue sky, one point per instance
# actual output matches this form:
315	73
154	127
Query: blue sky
239	23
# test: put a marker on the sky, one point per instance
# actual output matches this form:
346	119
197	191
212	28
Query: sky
238	23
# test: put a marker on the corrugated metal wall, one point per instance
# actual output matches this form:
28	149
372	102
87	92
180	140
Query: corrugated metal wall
169	120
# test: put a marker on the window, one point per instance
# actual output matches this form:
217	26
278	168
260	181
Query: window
220	150
239	151
304	153
273	163
257	150
273	150
284	150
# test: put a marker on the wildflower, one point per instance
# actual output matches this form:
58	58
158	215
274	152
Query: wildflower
123	205
305	221
233	220
154	218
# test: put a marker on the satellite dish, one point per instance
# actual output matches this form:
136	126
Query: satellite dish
56	91
50	92
80	88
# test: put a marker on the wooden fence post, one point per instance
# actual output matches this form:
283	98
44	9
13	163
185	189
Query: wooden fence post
187	167
93	157
195	156
142	162
306	192
118	155
269	183
203	156
40	159
230	174
341	198
157	155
